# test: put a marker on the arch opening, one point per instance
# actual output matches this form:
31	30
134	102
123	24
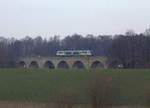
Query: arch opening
22	64
63	65
97	64
34	64
49	64
79	65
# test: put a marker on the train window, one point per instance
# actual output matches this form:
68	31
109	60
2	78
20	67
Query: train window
60	52
68	53
84	52
76	53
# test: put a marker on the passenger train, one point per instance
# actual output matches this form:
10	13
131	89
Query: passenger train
70	53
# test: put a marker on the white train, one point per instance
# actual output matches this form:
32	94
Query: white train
70	53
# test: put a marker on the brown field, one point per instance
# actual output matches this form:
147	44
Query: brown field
40	105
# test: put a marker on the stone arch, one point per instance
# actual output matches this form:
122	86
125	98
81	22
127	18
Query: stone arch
63	65
49	64
21	64
97	64
34	64
79	65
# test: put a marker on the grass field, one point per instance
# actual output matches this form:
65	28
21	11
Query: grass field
38	85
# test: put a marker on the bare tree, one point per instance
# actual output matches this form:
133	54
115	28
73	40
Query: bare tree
65	97
101	91
130	51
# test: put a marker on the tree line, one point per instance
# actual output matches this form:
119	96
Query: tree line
129	50
48	47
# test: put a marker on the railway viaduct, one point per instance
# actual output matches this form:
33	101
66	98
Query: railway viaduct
62	62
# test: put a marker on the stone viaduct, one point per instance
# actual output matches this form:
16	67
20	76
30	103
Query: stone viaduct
62	62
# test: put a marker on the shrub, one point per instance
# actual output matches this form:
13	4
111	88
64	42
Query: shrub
147	94
101	91
65	97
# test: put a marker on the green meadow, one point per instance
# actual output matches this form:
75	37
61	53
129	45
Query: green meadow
39	85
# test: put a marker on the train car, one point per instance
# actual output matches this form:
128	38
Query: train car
70	53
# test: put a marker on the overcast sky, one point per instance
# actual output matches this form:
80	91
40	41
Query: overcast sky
19	18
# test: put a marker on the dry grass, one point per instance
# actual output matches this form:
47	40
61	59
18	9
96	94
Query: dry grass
37	105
